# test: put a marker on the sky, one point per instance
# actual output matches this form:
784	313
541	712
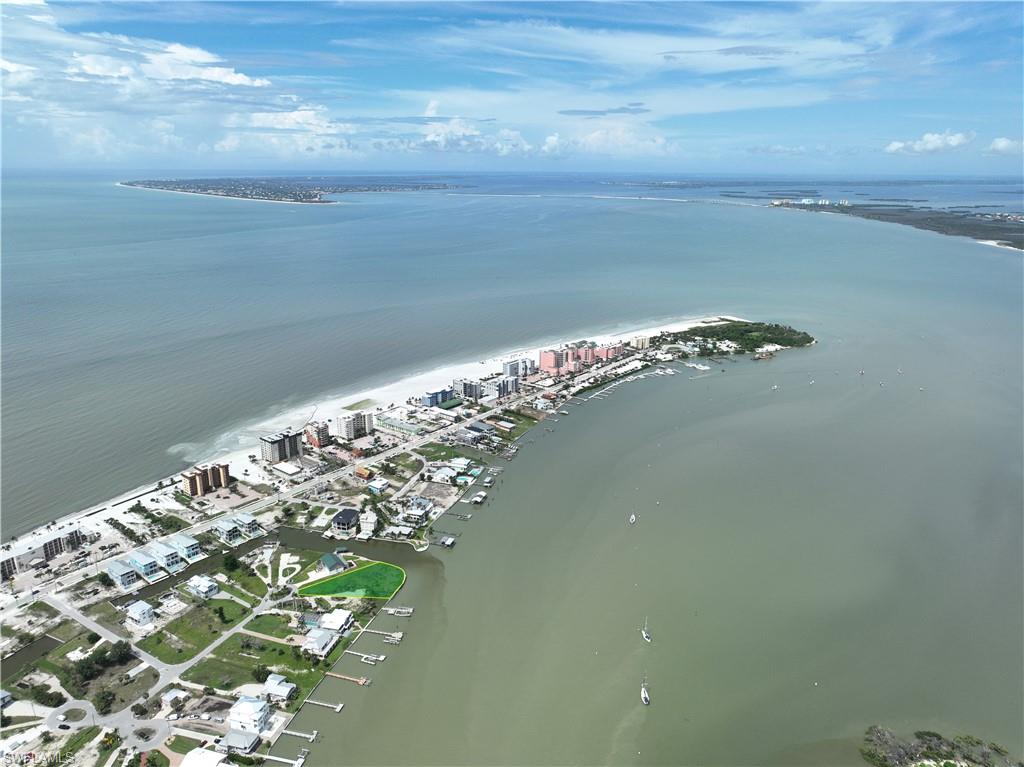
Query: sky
787	88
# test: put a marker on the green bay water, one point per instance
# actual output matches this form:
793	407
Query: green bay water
813	559
864	537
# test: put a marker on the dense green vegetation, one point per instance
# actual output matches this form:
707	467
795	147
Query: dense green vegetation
377	580
156	758
167	523
748	335
883	749
126	531
110	743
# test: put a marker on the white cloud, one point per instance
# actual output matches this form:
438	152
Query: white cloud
930	142
98	65
181	62
431	110
1003	145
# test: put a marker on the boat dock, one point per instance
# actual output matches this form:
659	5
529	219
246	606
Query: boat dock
400	612
361	681
295	733
336	706
370	658
282	760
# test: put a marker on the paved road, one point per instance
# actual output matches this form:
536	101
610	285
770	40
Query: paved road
124	721
283	497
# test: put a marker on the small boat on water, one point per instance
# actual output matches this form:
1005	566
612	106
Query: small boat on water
644	632
645	697
632	519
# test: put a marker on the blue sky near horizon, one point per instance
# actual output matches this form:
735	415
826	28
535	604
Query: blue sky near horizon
884	88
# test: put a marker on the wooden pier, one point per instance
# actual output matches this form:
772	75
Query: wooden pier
361	681
366	657
336	706
308	736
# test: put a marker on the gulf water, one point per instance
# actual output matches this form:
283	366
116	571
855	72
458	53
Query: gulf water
860	536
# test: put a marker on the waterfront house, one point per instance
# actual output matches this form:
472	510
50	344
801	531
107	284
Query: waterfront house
238	742
203	586
140	613
186	546
247	524
278	688
124	577
367	522
168	558
320	642
336	620
228	531
330	563
144	563
345	521
249	714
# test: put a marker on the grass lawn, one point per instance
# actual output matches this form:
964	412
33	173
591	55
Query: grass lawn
68	630
377	580
250	583
232	589
272	624
43	609
181	745
108	616
127	693
523	424
156	758
78	741
307	559
75	714
435	451
232	665
188	634
409	462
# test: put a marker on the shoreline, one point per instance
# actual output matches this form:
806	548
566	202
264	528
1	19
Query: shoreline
224	196
394	390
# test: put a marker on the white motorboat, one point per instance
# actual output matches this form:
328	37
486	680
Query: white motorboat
645	697
644	632
632	519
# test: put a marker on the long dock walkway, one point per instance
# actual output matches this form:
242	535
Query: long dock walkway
361	681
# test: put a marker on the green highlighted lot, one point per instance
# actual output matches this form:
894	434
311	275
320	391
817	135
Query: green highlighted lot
378	580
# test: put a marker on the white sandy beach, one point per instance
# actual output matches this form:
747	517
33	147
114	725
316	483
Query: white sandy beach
235	446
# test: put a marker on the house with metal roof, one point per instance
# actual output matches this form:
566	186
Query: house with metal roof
144	563
169	559
203	586
140	613
247	524
331	563
278	688
186	546
320	642
228	531
124	577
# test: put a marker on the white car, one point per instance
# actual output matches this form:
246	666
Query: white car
62	718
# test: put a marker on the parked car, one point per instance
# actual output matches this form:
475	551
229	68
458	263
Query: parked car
63	726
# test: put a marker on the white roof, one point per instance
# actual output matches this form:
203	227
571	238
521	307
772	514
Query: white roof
202	582
172	695
158	549
201	757
247	706
117	567
139	609
180	539
319	639
335	619
278	685
244	519
286	468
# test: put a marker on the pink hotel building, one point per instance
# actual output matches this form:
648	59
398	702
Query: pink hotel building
573	358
